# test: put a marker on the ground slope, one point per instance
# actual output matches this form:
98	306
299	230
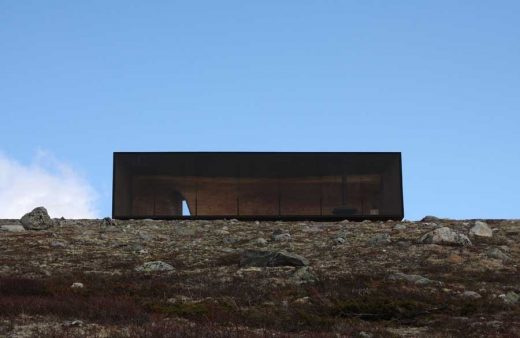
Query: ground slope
145	278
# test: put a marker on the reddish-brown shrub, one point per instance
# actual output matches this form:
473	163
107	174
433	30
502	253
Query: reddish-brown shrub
98	309
22	287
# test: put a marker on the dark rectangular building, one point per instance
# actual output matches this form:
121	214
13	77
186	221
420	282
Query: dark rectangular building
257	185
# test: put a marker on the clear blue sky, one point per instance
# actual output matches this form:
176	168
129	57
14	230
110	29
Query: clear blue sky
437	80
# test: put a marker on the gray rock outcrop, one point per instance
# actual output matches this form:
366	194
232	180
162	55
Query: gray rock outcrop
496	253
261	258
471	295
303	275
481	229
380	239
430	219
12	228
280	236
416	279
155	266
445	236
400	226
38	219
510	298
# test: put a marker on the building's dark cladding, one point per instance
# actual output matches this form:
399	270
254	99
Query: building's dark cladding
257	185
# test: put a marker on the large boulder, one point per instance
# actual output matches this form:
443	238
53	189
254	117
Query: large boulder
481	229
38	219
430	218
261	258
445	236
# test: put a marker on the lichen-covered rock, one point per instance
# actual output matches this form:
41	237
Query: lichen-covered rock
481	229
12	228
510	298
471	295
430	219
261	241
155	266
108	221
496	253
380	239
77	285
338	240
416	279
400	226
38	219
303	275
445	236
263	258
280	236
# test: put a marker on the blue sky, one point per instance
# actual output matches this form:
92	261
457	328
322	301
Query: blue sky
437	80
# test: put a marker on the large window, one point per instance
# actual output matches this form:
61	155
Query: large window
258	185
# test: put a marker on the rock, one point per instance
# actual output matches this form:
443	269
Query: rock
58	244
179	300
261	241
481	229
190	231
303	300
403	244
12	228
312	229
263	258
505	248
155	266
73	323
399	227
445	236
145	236
107	221
303	275
38	219
380	239
416	279
496	253
339	240
229	240
77	285
280	236
431	219
471	294
510	298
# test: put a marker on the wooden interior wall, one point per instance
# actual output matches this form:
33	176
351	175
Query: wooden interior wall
156	196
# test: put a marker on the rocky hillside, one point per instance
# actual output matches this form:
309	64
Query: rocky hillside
227	278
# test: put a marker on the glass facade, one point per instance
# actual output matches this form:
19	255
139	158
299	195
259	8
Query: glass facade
257	185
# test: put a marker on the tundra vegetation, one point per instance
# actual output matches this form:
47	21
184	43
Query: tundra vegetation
228	278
